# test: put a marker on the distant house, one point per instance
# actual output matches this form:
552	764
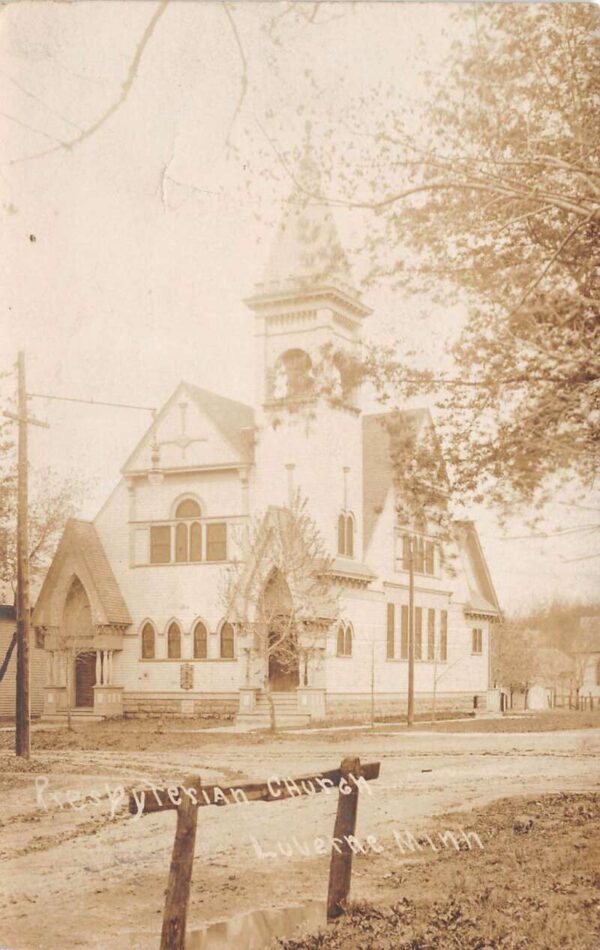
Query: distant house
587	657
8	685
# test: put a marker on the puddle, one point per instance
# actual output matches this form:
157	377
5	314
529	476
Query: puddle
258	929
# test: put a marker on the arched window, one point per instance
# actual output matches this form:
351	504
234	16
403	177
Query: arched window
188	508
174	642
195	541
342	534
188	536
344	639
148	642
348	637
292	375
227	644
349	536
346	534
200	641
340	640
343	378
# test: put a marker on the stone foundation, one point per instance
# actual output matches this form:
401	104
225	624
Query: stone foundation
195	705
358	706
337	706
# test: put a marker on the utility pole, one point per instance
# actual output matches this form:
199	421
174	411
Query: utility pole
22	745
410	711
22	717
372	685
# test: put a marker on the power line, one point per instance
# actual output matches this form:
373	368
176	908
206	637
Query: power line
91	402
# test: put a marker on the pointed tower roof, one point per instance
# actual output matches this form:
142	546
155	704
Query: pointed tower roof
307	251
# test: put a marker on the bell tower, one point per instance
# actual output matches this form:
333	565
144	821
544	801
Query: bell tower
308	324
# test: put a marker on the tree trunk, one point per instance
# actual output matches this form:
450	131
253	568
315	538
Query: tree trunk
433	698
272	722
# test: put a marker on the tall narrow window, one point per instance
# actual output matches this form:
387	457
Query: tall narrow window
200	641
174	642
420	555
346	534
348	640
181	542
216	542
477	640
418	633
349	536
430	634
340	640
444	635
598	673
160	544
342	534
429	557
344	640
391	650
404	633
227	644
148	642
195	541
406	552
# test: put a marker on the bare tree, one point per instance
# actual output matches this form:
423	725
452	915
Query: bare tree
281	597
54	499
513	655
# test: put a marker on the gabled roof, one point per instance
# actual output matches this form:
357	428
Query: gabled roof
378	474
80	552
233	419
482	595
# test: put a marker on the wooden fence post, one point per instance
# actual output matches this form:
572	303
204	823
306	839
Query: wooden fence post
340	868
180	874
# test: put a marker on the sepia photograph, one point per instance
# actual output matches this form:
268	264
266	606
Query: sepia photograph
299	475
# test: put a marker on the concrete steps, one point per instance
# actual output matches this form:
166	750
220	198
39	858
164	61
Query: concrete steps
286	712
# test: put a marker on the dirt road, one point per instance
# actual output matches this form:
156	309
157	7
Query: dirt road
73	876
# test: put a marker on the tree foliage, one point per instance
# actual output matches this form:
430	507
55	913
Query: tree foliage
486	193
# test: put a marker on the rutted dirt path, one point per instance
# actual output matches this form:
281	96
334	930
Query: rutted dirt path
79	878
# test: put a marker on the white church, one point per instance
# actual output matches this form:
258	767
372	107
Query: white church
138	589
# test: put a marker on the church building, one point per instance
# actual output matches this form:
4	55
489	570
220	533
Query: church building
131	615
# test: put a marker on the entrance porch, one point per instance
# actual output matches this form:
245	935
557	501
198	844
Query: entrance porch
83	683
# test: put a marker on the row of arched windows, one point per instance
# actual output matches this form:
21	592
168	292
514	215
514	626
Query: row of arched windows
187	545
200	644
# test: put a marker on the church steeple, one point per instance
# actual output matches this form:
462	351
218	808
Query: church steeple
307	303
307	251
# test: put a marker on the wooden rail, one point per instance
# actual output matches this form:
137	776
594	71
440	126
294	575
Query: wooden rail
191	795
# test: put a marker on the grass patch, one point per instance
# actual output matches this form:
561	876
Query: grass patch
525	891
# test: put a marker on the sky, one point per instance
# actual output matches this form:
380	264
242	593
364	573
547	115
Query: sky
137	209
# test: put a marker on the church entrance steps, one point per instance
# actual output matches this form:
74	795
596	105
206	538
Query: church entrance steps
286	712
